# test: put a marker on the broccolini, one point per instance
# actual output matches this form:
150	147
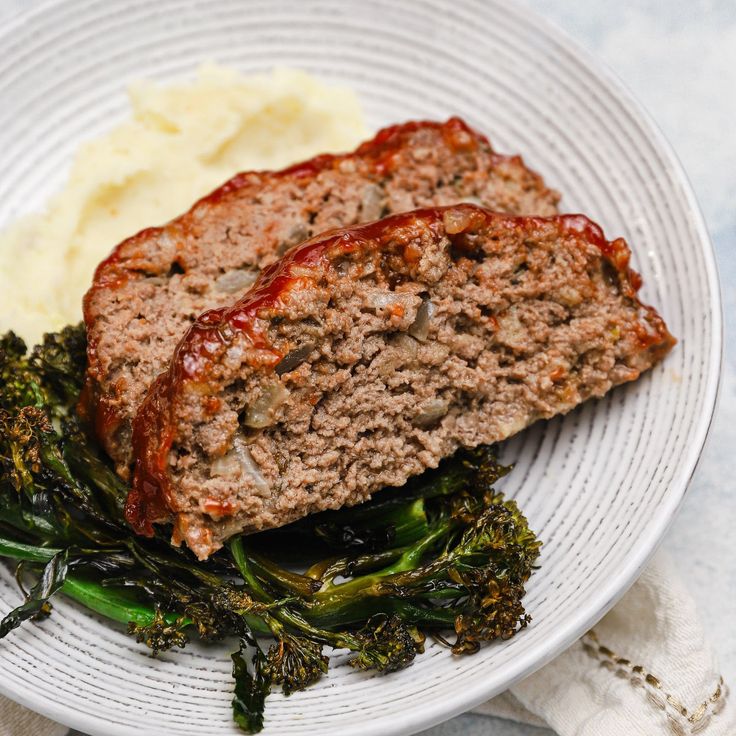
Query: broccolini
445	556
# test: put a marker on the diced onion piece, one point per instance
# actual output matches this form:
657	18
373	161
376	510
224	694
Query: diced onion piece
250	467
457	221
234	281
419	329
297	271
405	343
381	298
298	233
239	462
228	465
235	353
262	411
371	203
431	412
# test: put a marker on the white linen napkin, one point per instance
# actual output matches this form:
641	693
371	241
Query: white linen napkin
645	669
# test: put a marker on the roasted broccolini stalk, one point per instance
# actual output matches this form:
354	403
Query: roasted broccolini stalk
446	555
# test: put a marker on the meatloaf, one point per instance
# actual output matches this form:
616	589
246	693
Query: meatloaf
367	354
156	284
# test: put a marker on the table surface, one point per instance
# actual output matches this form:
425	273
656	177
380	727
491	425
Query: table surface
679	59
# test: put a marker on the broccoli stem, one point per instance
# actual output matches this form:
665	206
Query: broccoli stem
107	602
28	552
431	617
291	582
334	634
113	604
334	598
86	463
281	615
336	605
382	523
331	567
413	555
394	522
122	607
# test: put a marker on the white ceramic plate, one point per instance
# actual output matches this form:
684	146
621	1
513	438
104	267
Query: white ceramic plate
601	485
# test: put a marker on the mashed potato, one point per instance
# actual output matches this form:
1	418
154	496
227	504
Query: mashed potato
182	141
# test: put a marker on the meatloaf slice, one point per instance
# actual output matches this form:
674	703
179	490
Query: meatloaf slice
154	285
367	354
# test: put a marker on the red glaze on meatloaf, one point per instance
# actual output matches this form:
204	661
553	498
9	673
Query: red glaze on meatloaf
367	354
155	284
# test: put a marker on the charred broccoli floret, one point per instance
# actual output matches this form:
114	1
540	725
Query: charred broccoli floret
61	361
388	644
295	662
20	383
160	635
25	437
494	611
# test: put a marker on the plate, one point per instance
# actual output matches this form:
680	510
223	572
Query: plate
601	485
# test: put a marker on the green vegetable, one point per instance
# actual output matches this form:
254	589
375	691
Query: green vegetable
161	633
252	685
445	553
36	603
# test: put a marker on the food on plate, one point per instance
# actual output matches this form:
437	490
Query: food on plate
367	354
444	554
264	369
155	284
178	142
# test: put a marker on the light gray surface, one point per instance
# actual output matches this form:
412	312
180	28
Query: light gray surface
680	60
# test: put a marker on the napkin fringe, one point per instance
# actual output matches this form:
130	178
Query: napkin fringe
681	720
